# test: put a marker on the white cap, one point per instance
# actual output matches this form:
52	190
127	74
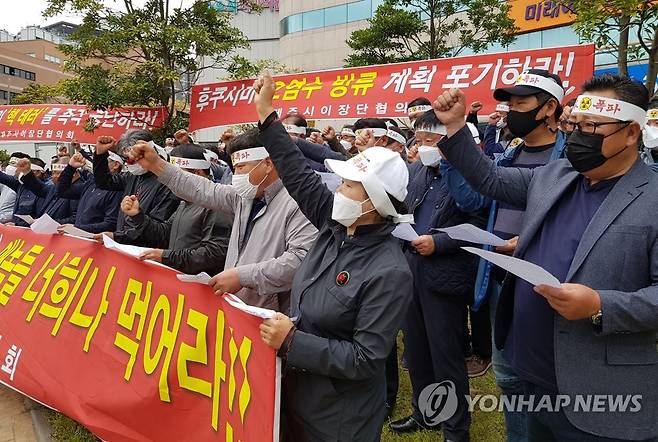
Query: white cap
382	172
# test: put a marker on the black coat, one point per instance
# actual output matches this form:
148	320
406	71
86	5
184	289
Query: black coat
349	298
450	270
195	239
155	199
61	210
26	202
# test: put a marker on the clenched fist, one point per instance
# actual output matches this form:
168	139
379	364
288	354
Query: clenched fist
104	144
130	205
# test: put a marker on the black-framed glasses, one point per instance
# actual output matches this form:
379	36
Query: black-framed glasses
567	126
589	127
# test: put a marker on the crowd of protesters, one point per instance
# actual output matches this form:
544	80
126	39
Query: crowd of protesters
300	220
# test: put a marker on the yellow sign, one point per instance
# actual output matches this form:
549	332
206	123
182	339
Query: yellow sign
533	15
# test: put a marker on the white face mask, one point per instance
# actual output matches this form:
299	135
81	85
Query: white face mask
346	145
429	155
346	211
501	124
244	187
10	170
136	169
649	137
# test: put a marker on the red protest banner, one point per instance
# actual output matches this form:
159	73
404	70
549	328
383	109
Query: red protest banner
62	122
128	350
385	90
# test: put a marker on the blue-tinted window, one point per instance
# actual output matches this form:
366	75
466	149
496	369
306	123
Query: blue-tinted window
291	24
375	5
336	15
359	11
313	19
564	36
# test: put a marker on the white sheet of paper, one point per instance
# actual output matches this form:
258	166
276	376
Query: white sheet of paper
27	218
525	270
250	309
71	230
201	278
405	231
45	225
331	180
130	250
470	233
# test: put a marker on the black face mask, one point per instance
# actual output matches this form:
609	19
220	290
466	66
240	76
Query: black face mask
585	151
522	123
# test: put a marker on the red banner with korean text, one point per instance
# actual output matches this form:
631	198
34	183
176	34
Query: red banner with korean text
385	90
125	348
64	123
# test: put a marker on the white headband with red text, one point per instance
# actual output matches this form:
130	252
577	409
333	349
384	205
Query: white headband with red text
608	107
246	155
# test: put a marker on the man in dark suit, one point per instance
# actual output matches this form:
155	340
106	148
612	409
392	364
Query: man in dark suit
591	221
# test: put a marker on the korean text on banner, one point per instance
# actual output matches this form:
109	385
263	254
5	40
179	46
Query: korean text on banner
384	91
64	123
127	350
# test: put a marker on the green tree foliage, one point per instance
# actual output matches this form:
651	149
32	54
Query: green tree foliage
241	68
138	56
612	23
404	30
36	93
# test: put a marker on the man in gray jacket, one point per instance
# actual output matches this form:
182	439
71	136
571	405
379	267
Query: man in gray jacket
590	345
270	235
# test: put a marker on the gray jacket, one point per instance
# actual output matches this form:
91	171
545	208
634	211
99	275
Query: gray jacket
280	237
7	200
617	256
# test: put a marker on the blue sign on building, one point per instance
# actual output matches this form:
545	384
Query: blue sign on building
637	71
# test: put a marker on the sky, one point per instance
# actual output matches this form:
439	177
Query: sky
13	19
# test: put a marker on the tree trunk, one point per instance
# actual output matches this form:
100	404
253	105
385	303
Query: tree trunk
652	70
622	48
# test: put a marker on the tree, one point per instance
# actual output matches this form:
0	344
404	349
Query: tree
404	30
36	93
611	23
137	57
242	68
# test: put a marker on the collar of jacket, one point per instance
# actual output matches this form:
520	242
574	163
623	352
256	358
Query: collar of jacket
272	191
365	235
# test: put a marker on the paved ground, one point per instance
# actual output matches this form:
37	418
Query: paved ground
15	419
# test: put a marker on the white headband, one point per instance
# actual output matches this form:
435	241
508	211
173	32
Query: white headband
377	194
189	163
396	136
502	107
292	129
57	167
347	133
376	131
246	155
439	129
210	155
37	168
116	158
543	83
652	114
419	108
609	107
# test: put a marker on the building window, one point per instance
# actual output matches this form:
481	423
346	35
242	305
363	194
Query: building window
20	73
313	19
336	15
53	59
359	10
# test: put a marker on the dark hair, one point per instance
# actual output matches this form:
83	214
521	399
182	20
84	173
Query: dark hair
625	88
296	119
246	140
20	155
427	120
571	102
370	123
310	130
391	122
420	101
38	162
543	97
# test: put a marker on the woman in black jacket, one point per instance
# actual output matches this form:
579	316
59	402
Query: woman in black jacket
348	297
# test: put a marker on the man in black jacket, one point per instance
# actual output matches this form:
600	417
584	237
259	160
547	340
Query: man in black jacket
155	199
194	239
444	276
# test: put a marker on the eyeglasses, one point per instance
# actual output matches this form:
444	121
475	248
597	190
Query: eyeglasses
589	127
567	126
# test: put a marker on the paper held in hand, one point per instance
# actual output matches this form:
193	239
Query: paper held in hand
250	309
405	231
200	278
525	270
470	233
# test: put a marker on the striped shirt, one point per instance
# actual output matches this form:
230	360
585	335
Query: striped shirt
509	218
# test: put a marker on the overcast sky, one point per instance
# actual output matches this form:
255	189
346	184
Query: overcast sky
28	12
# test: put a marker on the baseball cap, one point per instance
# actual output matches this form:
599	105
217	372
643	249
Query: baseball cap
532	82
382	172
